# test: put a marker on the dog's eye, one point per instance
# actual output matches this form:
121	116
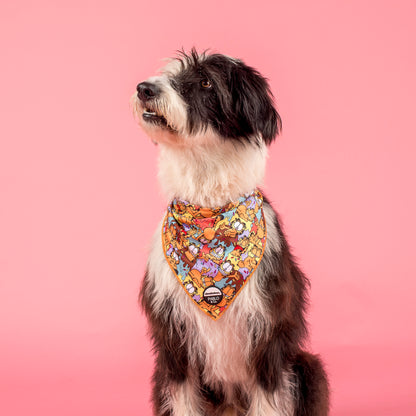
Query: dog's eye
206	84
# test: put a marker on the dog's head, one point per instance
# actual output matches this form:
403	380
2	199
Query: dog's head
200	96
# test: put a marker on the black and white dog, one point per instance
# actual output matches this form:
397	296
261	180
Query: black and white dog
212	117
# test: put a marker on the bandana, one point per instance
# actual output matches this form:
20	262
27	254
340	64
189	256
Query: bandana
214	251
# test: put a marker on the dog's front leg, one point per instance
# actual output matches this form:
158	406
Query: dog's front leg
277	403
175	392
186	399
175	398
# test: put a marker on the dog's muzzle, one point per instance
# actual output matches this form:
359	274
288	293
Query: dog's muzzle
148	93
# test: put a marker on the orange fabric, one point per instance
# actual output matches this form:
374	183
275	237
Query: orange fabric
214	252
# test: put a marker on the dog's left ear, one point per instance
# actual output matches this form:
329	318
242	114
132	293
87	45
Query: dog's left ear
254	104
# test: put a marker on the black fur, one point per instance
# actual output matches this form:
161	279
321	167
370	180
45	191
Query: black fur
171	353
312	394
168	345
239	103
214	399
286	289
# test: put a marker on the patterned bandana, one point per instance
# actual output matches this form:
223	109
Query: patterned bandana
214	251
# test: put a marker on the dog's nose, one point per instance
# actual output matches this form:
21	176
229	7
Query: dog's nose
147	91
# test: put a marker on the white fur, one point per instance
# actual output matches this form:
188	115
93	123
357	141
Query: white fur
210	172
185	400
279	403
173	67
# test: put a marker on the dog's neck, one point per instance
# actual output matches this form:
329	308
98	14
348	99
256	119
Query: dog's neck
210	175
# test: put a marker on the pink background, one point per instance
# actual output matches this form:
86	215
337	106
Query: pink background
79	196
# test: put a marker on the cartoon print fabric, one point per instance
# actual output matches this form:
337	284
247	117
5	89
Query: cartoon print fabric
213	252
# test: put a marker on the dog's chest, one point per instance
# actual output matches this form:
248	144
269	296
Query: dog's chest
221	346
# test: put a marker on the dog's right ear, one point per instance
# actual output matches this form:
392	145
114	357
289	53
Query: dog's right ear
253	101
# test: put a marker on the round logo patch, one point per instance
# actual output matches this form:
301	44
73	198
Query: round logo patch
212	295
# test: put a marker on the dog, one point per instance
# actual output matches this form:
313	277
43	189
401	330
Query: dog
223	295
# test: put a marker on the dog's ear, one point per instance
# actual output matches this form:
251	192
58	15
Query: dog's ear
253	101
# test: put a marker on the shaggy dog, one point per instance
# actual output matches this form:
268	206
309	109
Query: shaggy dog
227	334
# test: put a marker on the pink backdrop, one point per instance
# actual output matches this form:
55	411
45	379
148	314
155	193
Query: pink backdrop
76	174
